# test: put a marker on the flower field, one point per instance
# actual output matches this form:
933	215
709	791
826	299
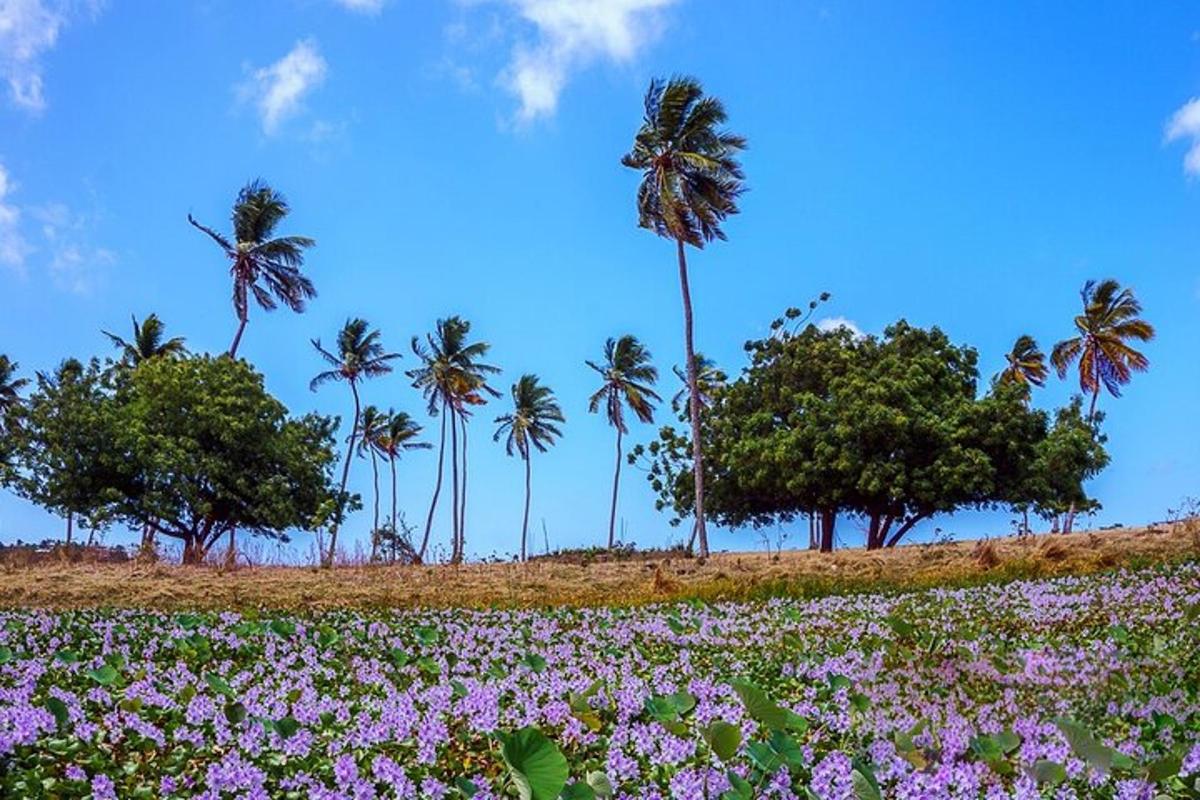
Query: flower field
1064	688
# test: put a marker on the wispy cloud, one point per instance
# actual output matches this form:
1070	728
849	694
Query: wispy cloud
28	29
834	323
570	35
362	6
52	235
1185	124
13	246
278	91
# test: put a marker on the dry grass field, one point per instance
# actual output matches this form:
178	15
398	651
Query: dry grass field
544	583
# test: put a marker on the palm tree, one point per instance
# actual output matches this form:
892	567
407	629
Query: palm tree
1026	365
359	356
709	378
451	378
262	264
1109	322
629	378
148	341
399	435
371	424
691	180
531	422
10	386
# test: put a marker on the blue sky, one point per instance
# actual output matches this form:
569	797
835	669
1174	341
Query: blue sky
960	164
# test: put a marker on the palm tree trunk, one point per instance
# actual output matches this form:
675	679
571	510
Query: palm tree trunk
70	526
455	555
612	515
375	526
392	463
462	500
345	477
1069	523
693	400
237	338
525	519
437	487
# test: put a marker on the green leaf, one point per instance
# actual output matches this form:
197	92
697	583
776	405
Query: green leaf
1048	772
534	662
1007	740
535	764
427	635
218	684
600	784
283	627
235	713
724	739
1164	768
764	710
6	655
188	621
741	788
1086	746
326	636
106	675
578	791
864	788
67	656
59	710
466	787
286	727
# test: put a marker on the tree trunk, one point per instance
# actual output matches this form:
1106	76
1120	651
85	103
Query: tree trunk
612	516
1069	522
375	526
828	520
237	338
462	499
437	487
873	531
693	400
906	526
70	526
1025	522
525	519
395	532
231	555
345	477
455	556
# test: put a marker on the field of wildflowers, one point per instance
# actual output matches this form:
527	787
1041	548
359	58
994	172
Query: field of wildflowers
1065	688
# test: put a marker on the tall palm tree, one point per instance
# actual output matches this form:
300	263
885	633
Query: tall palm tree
262	264
148	341
709	378
629	379
371	425
359	355
532	422
400	434
10	386
1026	364
1109	322
452	378
691	180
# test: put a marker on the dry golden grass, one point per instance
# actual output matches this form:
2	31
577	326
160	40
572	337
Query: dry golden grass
546	583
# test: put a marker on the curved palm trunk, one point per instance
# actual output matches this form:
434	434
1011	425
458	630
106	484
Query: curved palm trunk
1069	521
462	501
612	515
375	526
437	487
333	532
693	401
525	519
237	337
455	553
392	464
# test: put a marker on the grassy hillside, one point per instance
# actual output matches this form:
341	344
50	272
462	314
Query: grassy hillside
547	582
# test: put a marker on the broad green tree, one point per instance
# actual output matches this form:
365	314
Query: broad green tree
532	424
149	341
690	183
629	378
452	377
358	356
262	265
1103	347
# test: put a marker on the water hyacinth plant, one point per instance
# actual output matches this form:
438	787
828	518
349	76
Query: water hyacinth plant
1066	688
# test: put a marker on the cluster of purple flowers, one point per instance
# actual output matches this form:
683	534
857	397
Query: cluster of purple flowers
1068	688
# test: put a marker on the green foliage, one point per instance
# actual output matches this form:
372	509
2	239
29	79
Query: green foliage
536	766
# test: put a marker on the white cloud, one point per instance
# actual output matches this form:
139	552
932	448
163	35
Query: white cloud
278	90
571	35
362	6
1185	124
13	246
28	29
833	323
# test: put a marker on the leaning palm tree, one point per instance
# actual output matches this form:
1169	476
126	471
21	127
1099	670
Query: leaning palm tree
532	422
1026	364
452	378
709	378
629	379
400	434
148	342
359	355
691	180
371	425
261	263
10	386
1106	359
